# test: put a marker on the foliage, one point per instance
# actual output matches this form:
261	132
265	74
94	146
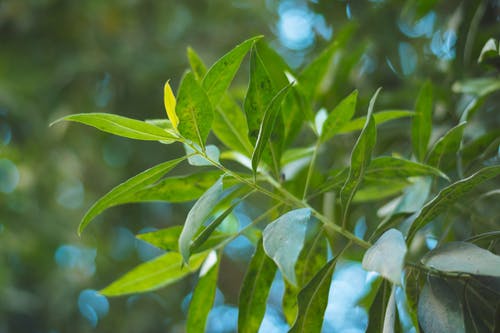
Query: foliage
248	166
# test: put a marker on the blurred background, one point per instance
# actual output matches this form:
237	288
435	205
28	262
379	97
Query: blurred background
59	57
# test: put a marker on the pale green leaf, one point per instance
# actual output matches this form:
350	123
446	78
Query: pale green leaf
393	167
122	126
197	65
340	116
445	149
255	290
422	121
462	257
197	216
390	312
284	239
220	75
123	192
379	117
194	110
480	86
194	159
203	295
387	255
159	272
448	196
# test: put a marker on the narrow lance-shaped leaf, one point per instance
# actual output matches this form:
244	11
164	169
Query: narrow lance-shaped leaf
193	110
340	116
159	272
390	312
360	159
446	147
313	299
197	216
170	105
127	189
422	121
203	295
220	75
197	65
122	126
462	257
393	167
284	239
448	196
255	290
267	126
380	118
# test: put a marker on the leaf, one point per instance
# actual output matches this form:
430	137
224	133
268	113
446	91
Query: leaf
213	154
255	290
439	308
313	299
480	87
462	257
197	65
296	154
220	75
422	121
127	189
448	196
380	118
340	116
267	126
392	167
159	272
387	255
170	104
360	159
284	238
121	126
197	216
203	295
194	110
390	312
446	147
377	189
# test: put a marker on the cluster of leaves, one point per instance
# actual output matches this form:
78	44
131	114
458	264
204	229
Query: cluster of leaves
298	234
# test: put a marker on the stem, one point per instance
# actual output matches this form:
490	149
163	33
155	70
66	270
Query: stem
311	168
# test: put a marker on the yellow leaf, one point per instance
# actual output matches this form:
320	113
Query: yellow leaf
170	102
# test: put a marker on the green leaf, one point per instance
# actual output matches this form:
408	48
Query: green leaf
197	216
203	295
193	110
313	299
159	272
267	127
373	189
284	239
380	118
296	154
448	196
339	117
480	87
387	255
213	154
220	75
422	121
445	149
439	308
122	126
255	290
390	312
126	190
393	167
360	159
462	257
197	65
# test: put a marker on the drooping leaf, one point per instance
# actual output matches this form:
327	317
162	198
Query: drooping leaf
393	167
313	299
439	308
422	121
197	65
254	291
203	295
340	116
170	104
193	110
197	216
463	257
387	255
121	126
390	313
360	159
446	147
407	310
267	127
220	75
127	189
379	117
284	239
159	272
448	196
